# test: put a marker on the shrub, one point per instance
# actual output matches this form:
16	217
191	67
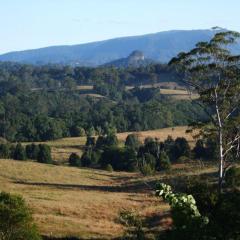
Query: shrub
164	162
77	131
182	159
19	152
226	217
148	164
107	141
182	147
86	159
44	155
16	220
134	225
74	160
109	168
32	151
5	151
185	214
132	141
147	170
90	141
232	177
121	159
199	150
204	192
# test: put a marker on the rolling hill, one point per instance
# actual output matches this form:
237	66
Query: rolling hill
160	47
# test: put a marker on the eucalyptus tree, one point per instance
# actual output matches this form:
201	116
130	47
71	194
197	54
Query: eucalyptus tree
212	71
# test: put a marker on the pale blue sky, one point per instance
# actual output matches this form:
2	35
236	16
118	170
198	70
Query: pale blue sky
26	24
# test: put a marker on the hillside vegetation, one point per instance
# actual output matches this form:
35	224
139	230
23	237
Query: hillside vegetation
52	102
85	202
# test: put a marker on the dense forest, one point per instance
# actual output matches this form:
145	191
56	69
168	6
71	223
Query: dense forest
43	103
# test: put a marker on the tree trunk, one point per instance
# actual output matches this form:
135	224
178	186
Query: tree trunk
221	161
220	142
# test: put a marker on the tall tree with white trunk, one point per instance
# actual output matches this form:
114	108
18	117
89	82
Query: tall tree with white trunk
212	71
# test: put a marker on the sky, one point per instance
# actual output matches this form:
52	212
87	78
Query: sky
29	24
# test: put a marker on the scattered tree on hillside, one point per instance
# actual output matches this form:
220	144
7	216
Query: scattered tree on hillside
74	160
44	154
132	141
19	153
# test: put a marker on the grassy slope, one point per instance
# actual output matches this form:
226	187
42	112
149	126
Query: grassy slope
76	202
83	202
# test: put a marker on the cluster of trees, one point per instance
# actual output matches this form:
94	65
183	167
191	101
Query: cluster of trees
57	76
35	116
149	157
39	152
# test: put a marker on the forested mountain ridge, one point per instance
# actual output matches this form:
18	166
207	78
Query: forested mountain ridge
160	47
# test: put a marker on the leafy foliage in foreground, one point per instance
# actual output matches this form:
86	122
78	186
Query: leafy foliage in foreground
184	210
16	222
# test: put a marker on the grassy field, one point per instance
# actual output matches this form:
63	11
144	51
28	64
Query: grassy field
178	94
175	91
161	134
85	203
62	148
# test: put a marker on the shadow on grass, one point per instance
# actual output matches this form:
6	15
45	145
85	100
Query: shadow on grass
139	186
133	188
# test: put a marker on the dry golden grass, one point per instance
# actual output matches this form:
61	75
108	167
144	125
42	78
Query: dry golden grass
179	94
66	142
161	134
77	202
94	95
85	203
85	87
170	85
61	154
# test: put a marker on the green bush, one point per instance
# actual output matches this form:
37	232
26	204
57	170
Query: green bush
16	220
109	168
133	224
187	219
183	159
74	160
44	155
32	151
121	159
19	152
164	162
132	141
204	192
148	164
5	151
147	170
232	177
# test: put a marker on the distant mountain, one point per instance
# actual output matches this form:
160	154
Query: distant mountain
160	47
135	59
